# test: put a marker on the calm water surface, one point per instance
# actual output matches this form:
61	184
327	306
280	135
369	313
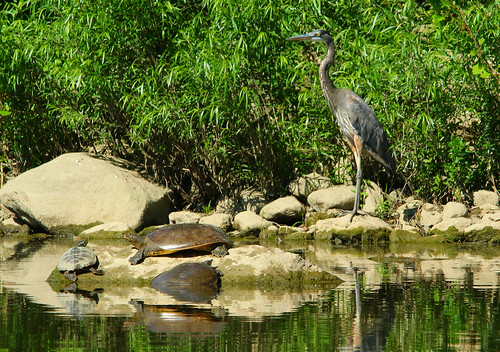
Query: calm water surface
392	299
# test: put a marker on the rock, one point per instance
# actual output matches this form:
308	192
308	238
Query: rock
249	221
184	217
366	222
408	211
82	189
485	198
303	186
254	264
223	221
454	210
248	200
340	197
459	223
108	227
374	197
284	210
495	225
492	216
430	215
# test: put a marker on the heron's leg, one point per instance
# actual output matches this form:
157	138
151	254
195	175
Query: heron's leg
359	176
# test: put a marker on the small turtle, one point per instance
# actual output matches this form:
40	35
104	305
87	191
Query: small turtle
77	260
193	282
178	237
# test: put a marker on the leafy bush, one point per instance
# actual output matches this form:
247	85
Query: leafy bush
210	98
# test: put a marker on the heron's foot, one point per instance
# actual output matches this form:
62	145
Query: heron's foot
352	213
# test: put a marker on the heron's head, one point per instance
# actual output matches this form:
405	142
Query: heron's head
319	35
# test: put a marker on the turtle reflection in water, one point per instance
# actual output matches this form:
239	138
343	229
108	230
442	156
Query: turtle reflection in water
191	282
178	237
77	260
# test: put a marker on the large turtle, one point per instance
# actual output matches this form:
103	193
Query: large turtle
178	237
192	282
77	260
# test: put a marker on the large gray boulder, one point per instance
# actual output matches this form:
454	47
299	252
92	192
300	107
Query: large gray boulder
83	189
285	210
303	186
336	197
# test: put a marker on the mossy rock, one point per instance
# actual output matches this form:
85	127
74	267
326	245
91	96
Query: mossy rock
291	281
485	235
71	230
313	218
298	236
270	232
355	235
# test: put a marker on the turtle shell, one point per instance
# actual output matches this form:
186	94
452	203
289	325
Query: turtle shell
77	258
177	237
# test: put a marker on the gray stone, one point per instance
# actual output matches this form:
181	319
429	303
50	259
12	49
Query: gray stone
284	210
339	197
184	217
408	211
454	210
116	226
430	215
342	223
303	186
459	223
248	221
81	189
484	197
482	224
248	199
223	221
374	197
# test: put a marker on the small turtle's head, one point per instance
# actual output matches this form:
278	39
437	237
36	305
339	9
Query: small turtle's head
82	243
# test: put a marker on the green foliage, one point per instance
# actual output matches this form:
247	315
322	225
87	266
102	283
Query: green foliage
209	97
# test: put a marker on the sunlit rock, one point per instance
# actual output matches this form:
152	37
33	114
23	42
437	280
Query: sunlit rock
248	200
284	210
485	198
340	197
459	223
374	197
108	227
249	221
430	215
303	186
83	189
223	221
184	217
454	210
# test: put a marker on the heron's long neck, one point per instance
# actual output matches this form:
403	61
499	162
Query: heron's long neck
326	83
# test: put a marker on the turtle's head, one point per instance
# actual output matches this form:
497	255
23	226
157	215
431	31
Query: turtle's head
82	243
136	240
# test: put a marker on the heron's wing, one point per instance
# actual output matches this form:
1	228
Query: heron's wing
368	127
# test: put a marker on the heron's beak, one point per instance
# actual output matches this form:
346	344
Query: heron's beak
303	37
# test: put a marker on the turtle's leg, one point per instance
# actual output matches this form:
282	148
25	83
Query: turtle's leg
220	251
137	258
96	271
71	276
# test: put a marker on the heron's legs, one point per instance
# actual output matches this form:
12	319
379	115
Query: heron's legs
359	177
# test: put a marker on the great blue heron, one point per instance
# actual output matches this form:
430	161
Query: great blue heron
356	119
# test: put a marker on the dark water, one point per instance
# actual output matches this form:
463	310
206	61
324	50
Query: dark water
391	300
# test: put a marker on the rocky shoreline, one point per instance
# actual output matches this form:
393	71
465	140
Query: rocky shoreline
85	194
89	196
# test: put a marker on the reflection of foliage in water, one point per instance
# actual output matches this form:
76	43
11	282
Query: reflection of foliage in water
427	314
